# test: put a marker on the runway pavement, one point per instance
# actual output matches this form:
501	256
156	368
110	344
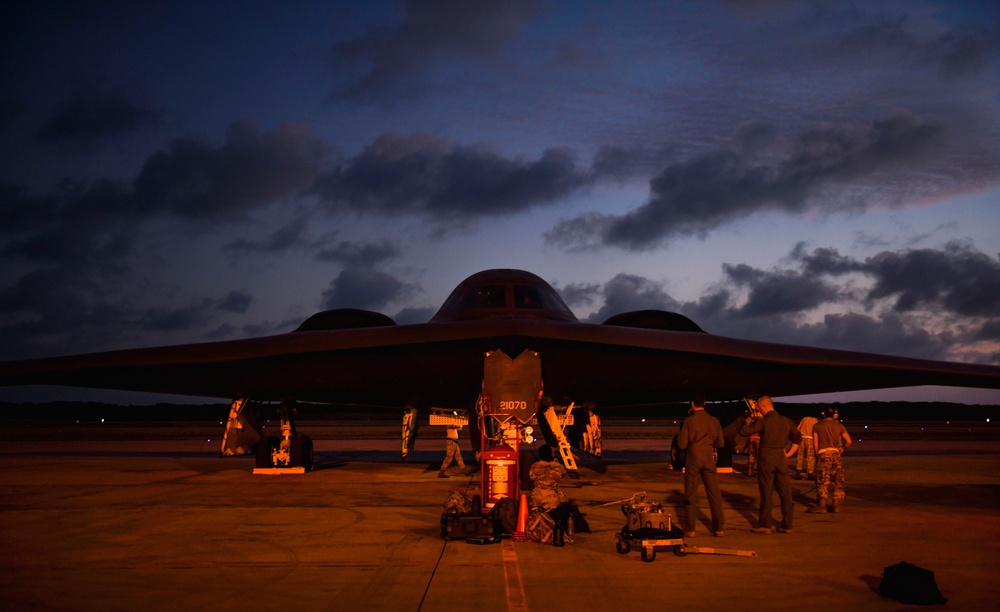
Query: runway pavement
167	525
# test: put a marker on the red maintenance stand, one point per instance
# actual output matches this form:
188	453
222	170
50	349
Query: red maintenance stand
511	395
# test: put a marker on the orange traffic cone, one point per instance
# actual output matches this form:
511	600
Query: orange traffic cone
522	520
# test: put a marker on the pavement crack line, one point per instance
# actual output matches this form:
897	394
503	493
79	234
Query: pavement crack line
430	580
516	599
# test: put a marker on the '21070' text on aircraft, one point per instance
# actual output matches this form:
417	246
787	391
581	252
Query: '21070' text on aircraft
502	340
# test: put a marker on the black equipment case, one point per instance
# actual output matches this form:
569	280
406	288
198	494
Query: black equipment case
465	526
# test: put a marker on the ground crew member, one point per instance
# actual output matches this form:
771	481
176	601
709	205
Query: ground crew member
830	439
776	432
753	449
807	452
452	451
700	435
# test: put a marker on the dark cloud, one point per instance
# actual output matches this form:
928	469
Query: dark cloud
235	301
696	196
361	284
86	118
410	316
772	293
266	328
366	288
72	225
221	332
365	254
935	299
628	292
965	50
622	163
429	175
179	319
291	236
958	280
195	315
391	61
191	179
886	334
989	331
44	307
46	292
251	169
580	294
825	261
754	137
810	34
581	233
70	251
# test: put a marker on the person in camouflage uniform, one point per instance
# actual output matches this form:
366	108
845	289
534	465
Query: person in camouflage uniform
830	438
546	474
452	451
753	448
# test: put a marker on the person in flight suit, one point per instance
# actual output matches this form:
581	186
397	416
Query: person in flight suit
776	432
700	435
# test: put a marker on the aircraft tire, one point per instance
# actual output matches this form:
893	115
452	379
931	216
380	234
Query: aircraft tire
526	459
302	452
264	447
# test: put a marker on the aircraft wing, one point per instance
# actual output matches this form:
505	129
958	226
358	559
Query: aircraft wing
441	363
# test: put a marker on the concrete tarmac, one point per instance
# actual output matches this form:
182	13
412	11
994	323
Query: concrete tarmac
167	525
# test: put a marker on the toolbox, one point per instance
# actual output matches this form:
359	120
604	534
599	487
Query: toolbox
464	526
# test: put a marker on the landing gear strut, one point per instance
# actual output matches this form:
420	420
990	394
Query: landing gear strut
288	453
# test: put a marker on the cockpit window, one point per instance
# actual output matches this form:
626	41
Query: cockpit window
503	294
491	296
528	296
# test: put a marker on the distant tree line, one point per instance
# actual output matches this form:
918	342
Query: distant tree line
94	412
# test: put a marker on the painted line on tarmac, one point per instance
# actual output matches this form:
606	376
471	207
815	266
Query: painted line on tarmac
516	601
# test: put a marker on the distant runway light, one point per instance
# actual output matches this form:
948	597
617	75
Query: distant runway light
644	420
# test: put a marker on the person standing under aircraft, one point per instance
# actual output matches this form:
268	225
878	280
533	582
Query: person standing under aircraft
831	439
700	435
775	432
753	451
807	452
452	451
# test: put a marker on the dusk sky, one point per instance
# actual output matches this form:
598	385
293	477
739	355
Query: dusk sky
818	173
